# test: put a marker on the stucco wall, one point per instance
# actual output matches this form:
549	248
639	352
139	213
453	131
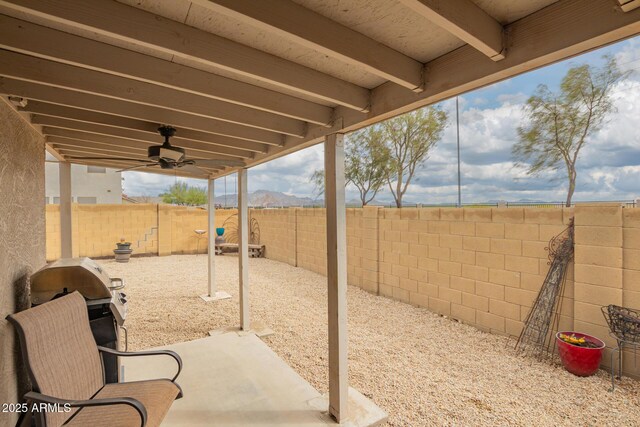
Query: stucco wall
105	187
22	240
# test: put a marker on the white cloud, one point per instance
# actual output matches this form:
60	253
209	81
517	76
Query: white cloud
608	169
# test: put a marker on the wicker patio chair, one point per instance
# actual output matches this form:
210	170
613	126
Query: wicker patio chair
65	367
624	326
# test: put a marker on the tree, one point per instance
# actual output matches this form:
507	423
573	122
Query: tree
558	124
409	139
365	164
366	161
317	179
181	193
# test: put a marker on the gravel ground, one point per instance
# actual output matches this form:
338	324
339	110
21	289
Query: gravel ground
423	369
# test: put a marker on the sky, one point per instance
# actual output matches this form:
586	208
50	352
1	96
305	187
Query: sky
608	168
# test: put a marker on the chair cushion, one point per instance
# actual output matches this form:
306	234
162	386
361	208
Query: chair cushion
156	396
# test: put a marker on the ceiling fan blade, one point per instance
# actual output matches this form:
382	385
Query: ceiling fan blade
192	169
212	163
137	167
108	158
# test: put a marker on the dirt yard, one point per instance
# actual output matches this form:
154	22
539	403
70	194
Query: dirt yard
421	368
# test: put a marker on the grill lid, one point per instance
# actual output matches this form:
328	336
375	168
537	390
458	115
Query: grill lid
75	274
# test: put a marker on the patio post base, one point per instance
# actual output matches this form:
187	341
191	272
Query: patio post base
218	296
257	328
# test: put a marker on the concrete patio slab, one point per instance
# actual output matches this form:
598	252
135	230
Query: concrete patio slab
232	379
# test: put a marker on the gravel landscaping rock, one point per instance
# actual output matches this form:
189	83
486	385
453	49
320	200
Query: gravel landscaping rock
423	369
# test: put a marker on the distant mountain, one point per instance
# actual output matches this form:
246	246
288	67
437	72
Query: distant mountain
267	199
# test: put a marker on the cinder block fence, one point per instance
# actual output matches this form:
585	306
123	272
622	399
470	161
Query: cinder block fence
152	229
481	266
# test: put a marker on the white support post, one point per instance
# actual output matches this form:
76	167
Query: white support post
336	275
243	249
66	234
213	294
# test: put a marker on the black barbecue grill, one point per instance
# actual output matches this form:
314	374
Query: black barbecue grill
106	305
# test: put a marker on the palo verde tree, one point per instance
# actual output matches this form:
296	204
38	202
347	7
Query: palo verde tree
408	139
317	179
181	193
557	125
366	158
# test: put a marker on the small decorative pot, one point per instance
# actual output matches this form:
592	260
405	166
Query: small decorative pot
219	237
123	253
579	360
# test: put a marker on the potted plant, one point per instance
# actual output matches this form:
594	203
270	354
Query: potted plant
579	353
220	235
123	251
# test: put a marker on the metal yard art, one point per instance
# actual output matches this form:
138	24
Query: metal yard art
536	337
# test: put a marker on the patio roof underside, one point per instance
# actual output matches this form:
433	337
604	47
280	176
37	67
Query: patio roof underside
254	80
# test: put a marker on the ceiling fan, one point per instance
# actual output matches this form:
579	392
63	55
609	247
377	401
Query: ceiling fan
168	156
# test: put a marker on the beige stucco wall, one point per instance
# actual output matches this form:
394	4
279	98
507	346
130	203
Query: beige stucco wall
22	244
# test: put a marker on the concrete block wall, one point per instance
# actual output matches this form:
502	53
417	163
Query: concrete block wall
607	269
184	222
631	275
278	233
482	266
52	214
312	240
97	228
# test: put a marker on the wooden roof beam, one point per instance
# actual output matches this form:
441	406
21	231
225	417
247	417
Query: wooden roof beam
57	122
212	150
629	5
310	29
97	150
105	149
123	164
43	110
26	37
465	20
127	23
70	98
562	30
117	147
92	152
26	67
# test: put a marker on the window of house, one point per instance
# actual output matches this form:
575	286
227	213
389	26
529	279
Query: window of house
96	169
87	200
56	200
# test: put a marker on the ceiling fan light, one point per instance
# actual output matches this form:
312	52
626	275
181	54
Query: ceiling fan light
171	153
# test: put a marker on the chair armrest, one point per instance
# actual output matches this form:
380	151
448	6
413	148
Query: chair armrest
135	404
147	353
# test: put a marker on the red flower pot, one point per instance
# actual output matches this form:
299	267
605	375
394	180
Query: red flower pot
580	361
